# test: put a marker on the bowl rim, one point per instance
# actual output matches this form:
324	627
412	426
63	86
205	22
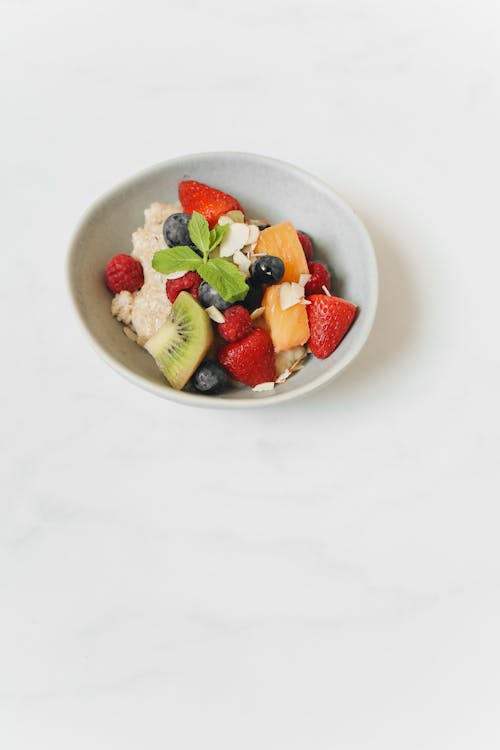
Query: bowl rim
194	399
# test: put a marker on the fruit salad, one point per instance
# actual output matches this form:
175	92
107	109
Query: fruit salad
219	299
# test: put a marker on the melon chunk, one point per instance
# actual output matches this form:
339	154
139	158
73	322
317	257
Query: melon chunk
287	328
282	241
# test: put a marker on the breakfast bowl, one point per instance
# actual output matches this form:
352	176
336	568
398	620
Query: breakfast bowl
266	188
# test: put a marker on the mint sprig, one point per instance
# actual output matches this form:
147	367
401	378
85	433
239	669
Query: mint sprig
222	274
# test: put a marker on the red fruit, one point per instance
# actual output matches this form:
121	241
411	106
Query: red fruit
329	320
190	282
251	360
307	245
123	273
237	324
212	203
319	278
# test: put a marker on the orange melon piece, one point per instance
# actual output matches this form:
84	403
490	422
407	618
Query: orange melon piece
287	328
282	240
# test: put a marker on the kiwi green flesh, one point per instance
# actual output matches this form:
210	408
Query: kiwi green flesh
183	340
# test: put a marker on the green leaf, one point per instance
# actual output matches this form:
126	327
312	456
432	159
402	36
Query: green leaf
182	258
225	278
199	232
217	234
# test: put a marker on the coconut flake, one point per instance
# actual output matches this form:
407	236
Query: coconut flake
215	314
290	294
235	239
176	275
264	386
257	312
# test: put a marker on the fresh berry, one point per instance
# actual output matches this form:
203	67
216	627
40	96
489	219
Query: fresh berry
190	282
208	201
263	226
307	245
329	320
267	270
254	298
250	360
176	232
209	296
123	273
237	324
210	378
319	278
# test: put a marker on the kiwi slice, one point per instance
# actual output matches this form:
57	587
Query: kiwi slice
183	340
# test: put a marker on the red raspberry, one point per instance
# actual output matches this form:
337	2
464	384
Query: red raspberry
190	282
319	278
237	324
123	273
306	243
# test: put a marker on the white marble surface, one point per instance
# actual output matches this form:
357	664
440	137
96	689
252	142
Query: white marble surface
325	575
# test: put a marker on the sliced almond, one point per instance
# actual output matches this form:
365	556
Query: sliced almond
264	386
176	275
226	219
284	376
242	262
235	239
236	216
253	233
257	313
304	278
290	294
215	314
326	291
129	333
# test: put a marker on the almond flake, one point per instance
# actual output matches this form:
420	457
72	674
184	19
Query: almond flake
224	220
290	294
284	376
236	216
257	313
215	314
326	291
304	278
264	387
176	275
253	233
129	333
235	239
242	262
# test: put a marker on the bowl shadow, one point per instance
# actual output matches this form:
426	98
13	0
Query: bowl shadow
396	320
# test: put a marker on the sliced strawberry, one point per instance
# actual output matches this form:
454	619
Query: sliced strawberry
250	360
329	320
208	201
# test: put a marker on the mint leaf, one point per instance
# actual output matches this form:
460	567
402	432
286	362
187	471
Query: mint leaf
199	232
181	258
225	278
217	234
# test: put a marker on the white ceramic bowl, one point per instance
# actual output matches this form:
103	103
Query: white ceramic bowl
266	188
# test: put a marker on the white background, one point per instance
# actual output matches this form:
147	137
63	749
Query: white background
324	575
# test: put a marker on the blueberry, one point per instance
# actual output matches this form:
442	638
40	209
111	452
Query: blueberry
210	378
208	296
254	298
267	270
176	232
263	226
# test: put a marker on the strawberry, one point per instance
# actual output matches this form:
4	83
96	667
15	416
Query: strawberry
329	320
208	201
306	243
319	278
190	282
123	273
237	324
250	360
